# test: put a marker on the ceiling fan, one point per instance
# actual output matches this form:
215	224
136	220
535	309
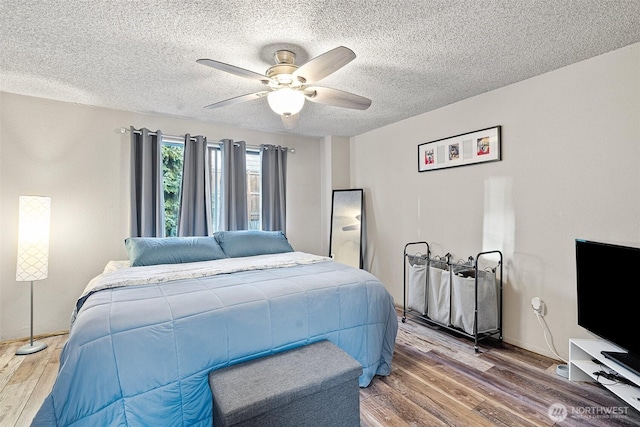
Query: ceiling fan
289	85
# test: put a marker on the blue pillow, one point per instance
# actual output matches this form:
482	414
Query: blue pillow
171	250
251	242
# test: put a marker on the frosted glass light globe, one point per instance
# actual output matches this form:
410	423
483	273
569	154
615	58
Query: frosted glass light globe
286	101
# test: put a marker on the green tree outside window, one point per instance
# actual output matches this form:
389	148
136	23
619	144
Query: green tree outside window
172	158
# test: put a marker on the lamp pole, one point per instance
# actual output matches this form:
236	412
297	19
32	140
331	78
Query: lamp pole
32	347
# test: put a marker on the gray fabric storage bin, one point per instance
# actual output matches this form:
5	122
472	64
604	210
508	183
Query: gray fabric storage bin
417	295
438	293
463	301
313	385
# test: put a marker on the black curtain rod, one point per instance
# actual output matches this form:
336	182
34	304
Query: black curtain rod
125	130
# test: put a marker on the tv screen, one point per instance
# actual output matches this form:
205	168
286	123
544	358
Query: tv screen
608	282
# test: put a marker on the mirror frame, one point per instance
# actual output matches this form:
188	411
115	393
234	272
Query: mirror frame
356	191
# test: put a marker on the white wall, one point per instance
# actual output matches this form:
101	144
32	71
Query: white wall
76	155
335	166
570	169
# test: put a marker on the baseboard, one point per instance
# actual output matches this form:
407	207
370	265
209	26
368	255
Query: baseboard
35	337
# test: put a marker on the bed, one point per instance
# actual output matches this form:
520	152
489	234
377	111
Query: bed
146	333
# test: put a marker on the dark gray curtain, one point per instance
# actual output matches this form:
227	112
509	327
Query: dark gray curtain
194	217
147	193
274	187
233	192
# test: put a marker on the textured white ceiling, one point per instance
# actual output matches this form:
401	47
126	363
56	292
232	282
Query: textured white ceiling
413	56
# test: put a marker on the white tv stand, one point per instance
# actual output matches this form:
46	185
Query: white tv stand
582	352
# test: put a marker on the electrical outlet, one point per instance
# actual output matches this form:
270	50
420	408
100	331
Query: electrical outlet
538	306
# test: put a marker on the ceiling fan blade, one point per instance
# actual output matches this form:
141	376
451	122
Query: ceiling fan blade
238	99
336	98
323	65
232	69
290	121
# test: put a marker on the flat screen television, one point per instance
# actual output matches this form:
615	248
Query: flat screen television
608	282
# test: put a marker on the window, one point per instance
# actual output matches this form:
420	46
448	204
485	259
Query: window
172	158
215	163
254	184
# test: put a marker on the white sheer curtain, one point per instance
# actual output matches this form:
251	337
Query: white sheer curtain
147	192
194	217
233	192
274	187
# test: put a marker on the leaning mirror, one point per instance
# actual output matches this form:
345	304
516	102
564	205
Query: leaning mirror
345	239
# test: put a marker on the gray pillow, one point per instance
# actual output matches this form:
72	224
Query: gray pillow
244	243
171	250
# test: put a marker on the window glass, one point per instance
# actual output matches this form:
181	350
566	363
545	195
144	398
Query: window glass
172	159
215	162
253	190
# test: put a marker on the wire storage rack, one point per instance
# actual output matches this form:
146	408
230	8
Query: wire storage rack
464	296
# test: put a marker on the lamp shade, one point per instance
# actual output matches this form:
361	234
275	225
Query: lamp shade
33	238
286	101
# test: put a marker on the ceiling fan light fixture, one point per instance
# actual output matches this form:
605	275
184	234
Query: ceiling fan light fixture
286	101
289	85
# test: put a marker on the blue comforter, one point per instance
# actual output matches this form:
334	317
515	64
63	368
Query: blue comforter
141	355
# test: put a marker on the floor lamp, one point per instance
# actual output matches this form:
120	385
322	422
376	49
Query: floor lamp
33	251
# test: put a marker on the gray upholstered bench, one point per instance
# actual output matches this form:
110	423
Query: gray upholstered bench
314	385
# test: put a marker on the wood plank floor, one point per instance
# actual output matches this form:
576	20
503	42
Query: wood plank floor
437	380
25	381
